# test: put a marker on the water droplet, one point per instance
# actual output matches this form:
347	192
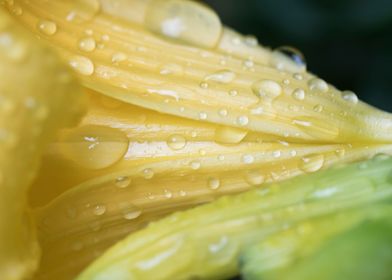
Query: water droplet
312	163
186	21
254	177
288	59
213	183
276	154
251	41
223	77
233	92
176	142
248	63
182	193
202	152
380	157
93	146
318	108
87	44
195	164
148	173
168	194
123	182
47	27
99	209
221	157
266	89
223	112
340	152
317	84
299	94
119	57
82	65
203	115
298	76
242	120
229	135
83	10
130	211
248	159
350	96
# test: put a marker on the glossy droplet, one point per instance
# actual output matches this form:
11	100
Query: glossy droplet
195	164
350	96
130	211
203	115
298	76
83	10
317	84
168	194
318	108
171	68
340	152
277	154
223	77
298	94
148	173
123	182
82	65
254	177
223	112
176	142
119	57
186	21
242	120
248	159
229	135
47	27
87	44
233	92
288	59
266	89
317	128
312	163
94	147
99	209
213	183
204	85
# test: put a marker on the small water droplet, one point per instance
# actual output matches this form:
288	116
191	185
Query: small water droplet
122	182
248	63
298	76
317	84
242	120
248	159
350	96
340	152
233	92
223	112
87	44
380	157
276	154
204	85
312	163
266	89
223	77
254	177
203	115
318	108
221	157
47	27
119	57
176	142
82	65
195	164
130	211
299	94
99	209
148	173
213	183
288	59
168	194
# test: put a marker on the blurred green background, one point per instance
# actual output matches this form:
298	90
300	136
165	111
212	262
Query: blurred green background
346	42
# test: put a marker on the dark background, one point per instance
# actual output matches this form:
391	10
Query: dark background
346	42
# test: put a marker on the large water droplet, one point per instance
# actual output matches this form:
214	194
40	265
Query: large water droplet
186	21
47	27
242	120
94	147
312	163
99	209
176	142
82	65
148	173
288	59
299	94
130	211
